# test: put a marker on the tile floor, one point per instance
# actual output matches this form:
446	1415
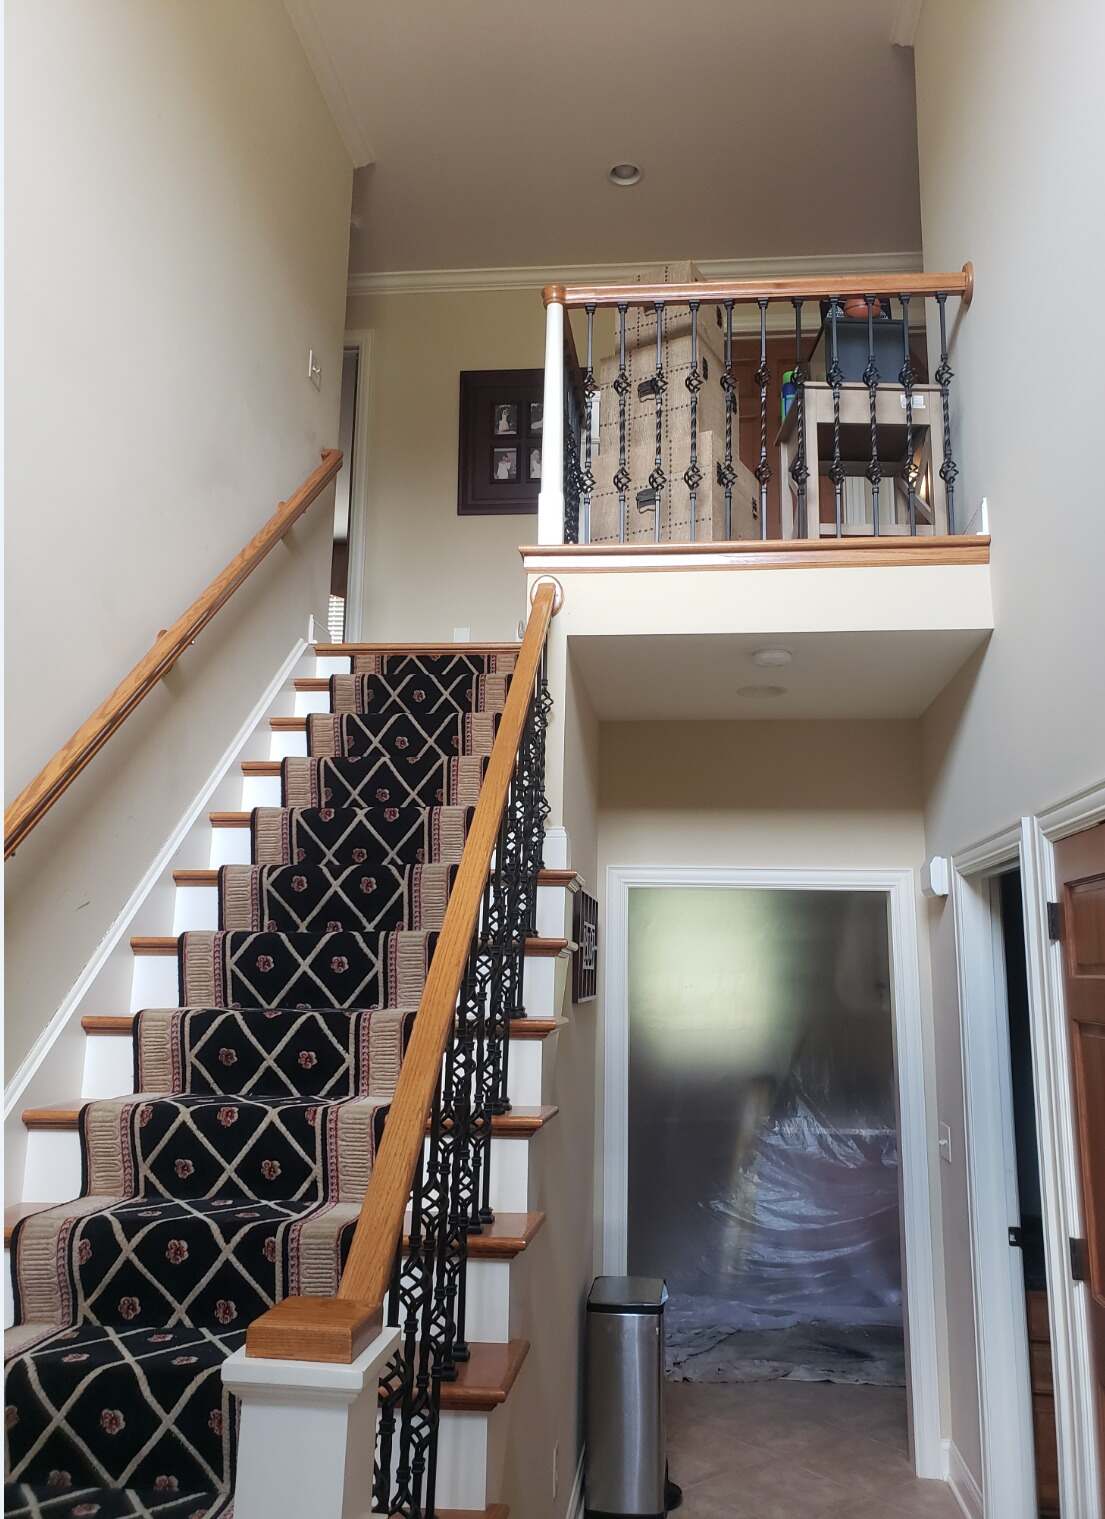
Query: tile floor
796	1450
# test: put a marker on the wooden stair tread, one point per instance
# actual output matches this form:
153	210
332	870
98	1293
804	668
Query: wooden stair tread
519	1123
166	944
485	1379
211	877
330	650
121	1025
502	1240
288	724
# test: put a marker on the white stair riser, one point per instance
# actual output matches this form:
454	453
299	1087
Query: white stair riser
109	1068
53	1169
332	664
259	791
286	742
311	701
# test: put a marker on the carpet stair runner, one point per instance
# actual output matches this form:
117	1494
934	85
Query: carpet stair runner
232	1177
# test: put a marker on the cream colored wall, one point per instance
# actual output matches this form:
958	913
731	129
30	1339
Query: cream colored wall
1011	132
769	794
428	571
177	230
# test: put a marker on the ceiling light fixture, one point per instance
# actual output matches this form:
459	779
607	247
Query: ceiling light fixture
772	659
624	175
757	692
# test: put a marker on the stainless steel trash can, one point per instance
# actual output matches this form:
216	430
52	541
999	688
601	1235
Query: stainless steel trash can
626	1468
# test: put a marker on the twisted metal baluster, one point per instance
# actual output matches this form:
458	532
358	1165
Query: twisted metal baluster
692	475
799	471
573	475
621	390
392	1383
762	376
871	380
949	470
907	379
658	479
587	480
726	474
835	376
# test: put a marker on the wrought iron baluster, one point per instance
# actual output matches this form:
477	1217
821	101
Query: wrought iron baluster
658	479
762	376
871	380
726	474
587	482
835	376
573	475
621	390
949	470
692	475
907	380
799	471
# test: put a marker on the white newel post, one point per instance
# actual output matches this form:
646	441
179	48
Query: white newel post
550	500
308	1434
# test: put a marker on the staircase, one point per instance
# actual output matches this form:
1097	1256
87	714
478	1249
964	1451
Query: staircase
227	1128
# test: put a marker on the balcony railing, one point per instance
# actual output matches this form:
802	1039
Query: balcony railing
650	439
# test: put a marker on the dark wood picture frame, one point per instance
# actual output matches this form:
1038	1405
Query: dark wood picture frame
585	957
487	484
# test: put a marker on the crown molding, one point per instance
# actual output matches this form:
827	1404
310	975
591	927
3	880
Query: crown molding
903	33
535	277
302	16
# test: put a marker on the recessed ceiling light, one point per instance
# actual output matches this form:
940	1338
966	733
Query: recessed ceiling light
756	692
772	659
624	174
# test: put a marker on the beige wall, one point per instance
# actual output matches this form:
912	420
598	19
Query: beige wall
427	570
177	228
1011	131
769	794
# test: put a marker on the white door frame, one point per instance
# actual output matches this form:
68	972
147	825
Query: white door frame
1001	1334
918	1222
361	340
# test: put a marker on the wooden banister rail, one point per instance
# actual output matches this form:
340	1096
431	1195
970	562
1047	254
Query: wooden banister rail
336	1329
58	774
744	291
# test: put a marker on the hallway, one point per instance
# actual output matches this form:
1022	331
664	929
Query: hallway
796	1450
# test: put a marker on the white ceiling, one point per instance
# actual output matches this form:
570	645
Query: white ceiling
763	127
696	677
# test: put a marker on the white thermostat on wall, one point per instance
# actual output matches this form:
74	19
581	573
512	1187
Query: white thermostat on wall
935	876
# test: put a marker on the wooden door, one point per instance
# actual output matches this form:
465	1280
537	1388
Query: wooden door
1080	868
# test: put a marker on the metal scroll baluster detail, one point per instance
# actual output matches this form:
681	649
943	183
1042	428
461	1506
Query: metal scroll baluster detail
949	470
835	376
871	380
762	376
573	475
692	475
621	390
657	480
907	379
451	1192
726	474
799	471
587	484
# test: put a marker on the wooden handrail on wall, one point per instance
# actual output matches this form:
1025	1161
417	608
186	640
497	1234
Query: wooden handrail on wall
58	774
337	1329
744	291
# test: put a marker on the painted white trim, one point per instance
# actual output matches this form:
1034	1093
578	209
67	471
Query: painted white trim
575	1497
45	1041
301	13
997	1275
965	1490
914	1140
360	339
903	33
536	276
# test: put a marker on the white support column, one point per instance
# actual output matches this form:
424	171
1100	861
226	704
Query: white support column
550	501
308	1434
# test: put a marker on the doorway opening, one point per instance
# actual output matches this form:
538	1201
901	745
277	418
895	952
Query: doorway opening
765	1153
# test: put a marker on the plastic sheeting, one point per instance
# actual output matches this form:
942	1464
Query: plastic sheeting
763	1149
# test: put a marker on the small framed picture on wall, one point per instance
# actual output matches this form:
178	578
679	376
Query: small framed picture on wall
501	417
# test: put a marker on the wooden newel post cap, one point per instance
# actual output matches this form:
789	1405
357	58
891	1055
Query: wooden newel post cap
553	293
330	1329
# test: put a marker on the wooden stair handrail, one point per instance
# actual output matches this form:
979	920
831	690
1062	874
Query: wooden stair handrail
306	1329
58	774
744	291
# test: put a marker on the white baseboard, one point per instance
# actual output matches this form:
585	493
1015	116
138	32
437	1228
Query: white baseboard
575	1497
965	1490
46	1040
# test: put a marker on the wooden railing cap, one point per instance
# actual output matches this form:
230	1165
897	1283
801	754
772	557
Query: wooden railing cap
742	292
